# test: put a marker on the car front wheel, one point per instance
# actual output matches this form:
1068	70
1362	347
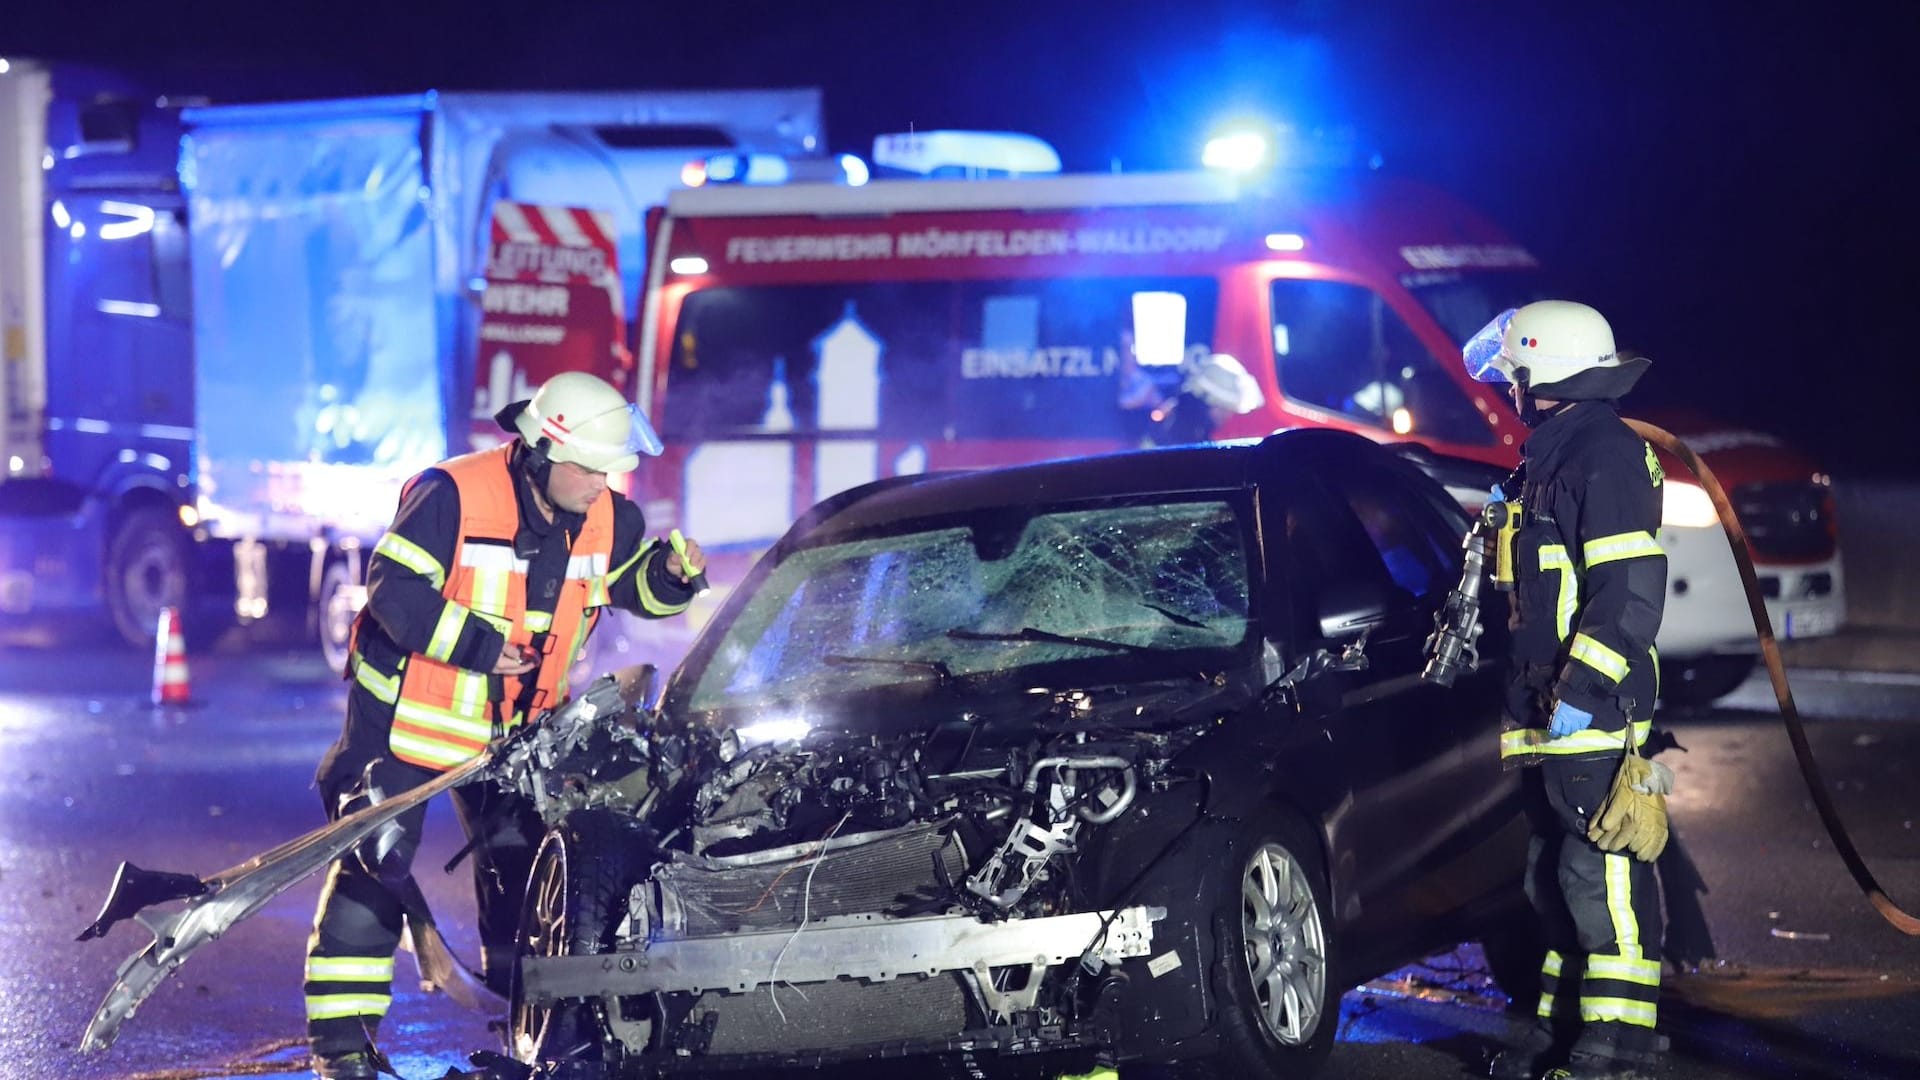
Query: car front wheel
1279	1008
576	899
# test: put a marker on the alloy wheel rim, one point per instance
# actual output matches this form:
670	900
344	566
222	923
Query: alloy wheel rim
544	934
1285	944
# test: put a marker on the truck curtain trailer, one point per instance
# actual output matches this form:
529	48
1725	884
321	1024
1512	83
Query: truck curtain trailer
797	340
261	319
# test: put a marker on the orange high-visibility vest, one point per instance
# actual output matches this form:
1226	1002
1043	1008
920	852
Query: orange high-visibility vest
444	715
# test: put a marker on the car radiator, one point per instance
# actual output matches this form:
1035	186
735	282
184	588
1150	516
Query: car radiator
882	872
888	872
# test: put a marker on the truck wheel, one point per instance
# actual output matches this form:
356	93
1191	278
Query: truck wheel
333	614
576	899
146	570
1706	679
1279	1008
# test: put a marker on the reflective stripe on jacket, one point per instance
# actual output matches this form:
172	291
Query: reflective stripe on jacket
444	714
1590	584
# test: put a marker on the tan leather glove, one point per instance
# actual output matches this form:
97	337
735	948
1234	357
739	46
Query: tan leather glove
1629	820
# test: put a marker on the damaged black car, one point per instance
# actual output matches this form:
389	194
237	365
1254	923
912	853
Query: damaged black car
1124	759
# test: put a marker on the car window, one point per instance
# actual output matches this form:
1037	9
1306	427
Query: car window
1330	552
1368	528
1392	518
1342	348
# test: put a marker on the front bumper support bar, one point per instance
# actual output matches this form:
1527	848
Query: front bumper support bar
871	947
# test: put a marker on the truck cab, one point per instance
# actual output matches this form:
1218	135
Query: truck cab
99	499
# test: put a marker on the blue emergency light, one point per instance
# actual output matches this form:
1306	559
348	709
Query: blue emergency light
1236	151
969	155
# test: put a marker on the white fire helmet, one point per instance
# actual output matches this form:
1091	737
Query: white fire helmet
1550	342
1223	383
587	422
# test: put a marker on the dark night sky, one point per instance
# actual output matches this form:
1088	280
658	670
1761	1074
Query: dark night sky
1734	184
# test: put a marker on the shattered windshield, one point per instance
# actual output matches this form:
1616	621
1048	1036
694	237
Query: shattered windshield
993	592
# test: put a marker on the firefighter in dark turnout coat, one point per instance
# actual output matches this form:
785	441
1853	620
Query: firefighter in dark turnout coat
1589	586
480	598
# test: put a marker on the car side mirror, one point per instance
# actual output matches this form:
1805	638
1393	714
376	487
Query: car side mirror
1305	689
1351	608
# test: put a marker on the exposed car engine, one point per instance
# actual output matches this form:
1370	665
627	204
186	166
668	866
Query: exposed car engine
788	880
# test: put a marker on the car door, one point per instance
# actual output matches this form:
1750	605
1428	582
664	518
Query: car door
1486	831
1363	557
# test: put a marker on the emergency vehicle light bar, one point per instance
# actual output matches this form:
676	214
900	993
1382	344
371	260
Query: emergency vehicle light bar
771	169
1074	191
965	154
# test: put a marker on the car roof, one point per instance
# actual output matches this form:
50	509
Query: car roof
1162	471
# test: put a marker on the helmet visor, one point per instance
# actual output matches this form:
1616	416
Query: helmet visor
1485	352
641	438
608	443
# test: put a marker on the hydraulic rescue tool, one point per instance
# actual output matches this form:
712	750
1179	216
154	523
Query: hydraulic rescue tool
524	760
1453	648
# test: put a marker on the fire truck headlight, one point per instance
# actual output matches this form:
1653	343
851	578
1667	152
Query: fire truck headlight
1687	506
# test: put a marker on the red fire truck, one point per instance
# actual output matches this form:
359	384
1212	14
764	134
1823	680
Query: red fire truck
798	339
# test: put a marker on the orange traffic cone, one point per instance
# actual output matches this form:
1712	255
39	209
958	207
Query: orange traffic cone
169	661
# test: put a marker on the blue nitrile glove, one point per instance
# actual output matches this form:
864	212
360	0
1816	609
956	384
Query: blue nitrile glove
1567	719
1499	493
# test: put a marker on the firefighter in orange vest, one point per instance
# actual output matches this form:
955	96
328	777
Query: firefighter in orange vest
479	599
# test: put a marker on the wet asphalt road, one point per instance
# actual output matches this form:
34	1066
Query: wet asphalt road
1808	980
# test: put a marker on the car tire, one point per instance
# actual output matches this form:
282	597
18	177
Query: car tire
576	899
146	570
1706	679
333	615
1279	1007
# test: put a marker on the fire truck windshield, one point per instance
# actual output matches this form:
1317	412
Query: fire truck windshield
1462	303
999	359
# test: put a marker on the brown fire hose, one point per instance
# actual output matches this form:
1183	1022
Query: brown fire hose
1789	712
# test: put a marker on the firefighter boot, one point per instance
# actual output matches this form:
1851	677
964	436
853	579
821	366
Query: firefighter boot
1581	1066
1527	1060
366	1063
357	1065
